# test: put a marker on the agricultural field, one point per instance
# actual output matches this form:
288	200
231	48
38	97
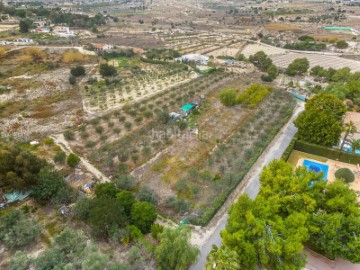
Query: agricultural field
138	81
140	140
251	49
125	136
189	178
230	50
326	61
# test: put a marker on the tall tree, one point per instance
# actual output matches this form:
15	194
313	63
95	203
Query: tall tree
105	215
18	168
298	67
318	127
320	123
261	60
327	103
355	145
292	208
348	128
174	251
260	236
222	259
143	215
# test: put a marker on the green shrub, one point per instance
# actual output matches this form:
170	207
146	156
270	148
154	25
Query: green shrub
346	174
99	129
17	230
73	160
253	95
60	157
77	71
228	97
72	80
48	141
69	135
156	230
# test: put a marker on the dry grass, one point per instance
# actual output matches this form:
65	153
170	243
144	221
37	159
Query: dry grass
32	54
283	27
2	51
327	38
73	57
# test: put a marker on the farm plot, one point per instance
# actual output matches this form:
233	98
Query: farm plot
325	61
124	138
251	49
142	82
195	169
230	50
232	159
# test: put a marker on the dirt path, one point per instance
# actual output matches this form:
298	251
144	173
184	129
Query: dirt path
60	140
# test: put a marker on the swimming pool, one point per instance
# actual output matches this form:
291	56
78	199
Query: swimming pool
316	167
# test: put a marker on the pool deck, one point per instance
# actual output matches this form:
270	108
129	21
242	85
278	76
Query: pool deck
333	167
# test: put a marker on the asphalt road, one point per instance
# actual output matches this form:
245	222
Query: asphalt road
252	189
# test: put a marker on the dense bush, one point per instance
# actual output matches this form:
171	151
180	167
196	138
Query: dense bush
18	168
77	71
72	80
253	95
143	215
346	174
298	67
107	71
73	160
69	250
261	60
156	230
306	46
69	135
228	97
60	157
342	44
17	230
51	186
146	194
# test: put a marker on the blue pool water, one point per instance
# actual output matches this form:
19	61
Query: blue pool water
317	167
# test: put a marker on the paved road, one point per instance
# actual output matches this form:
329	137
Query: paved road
275	151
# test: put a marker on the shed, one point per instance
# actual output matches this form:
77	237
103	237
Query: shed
187	108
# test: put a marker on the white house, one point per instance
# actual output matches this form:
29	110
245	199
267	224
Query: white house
194	57
103	47
63	31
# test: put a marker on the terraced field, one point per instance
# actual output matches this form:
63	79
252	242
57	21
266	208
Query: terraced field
254	48
282	58
325	61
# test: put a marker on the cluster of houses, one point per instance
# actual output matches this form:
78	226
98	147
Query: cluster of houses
18	41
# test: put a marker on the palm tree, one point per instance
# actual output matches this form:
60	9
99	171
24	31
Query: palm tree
355	145
349	128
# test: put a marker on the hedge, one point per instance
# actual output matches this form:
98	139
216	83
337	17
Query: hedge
285	156
327	152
